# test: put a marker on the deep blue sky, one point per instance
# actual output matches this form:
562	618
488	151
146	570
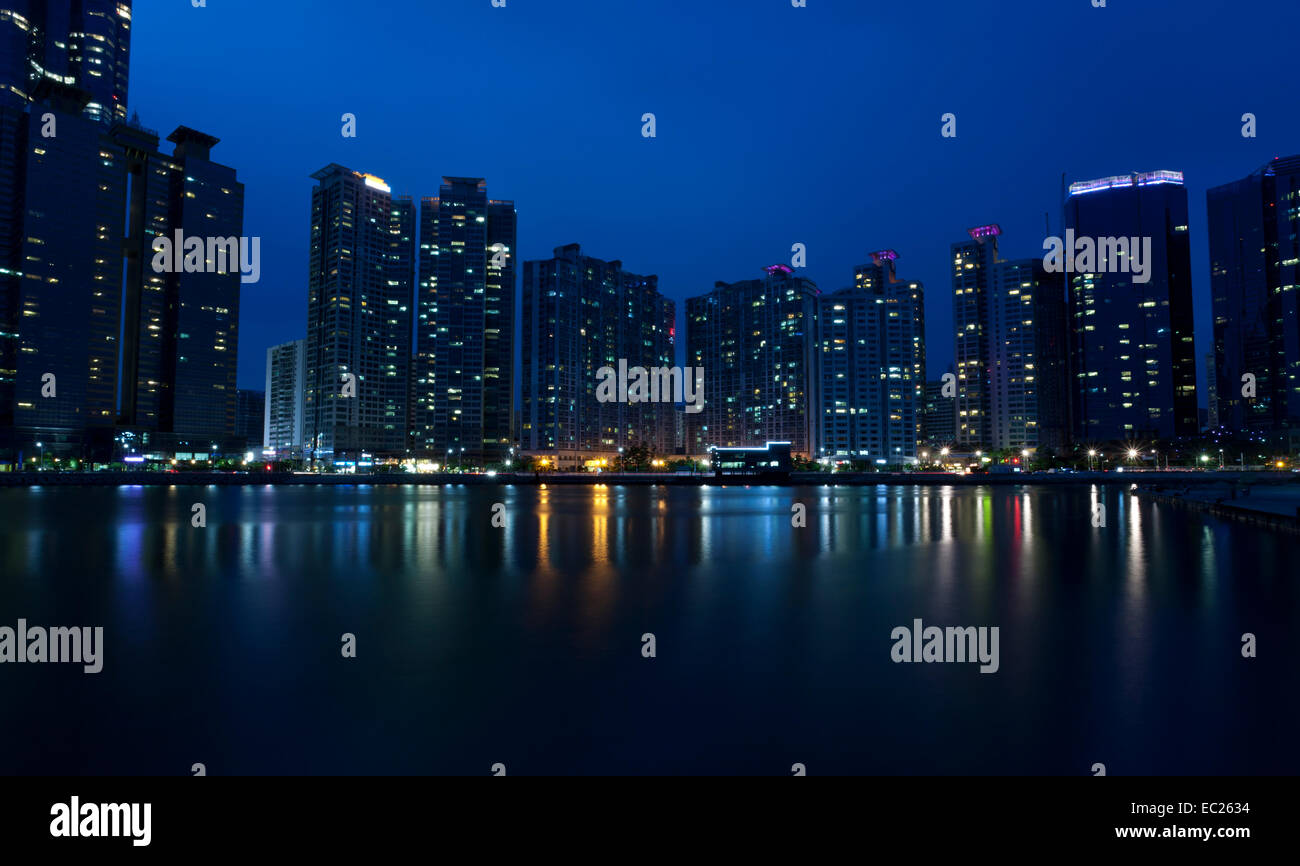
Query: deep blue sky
775	124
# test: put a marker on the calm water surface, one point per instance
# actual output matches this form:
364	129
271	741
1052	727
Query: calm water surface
478	645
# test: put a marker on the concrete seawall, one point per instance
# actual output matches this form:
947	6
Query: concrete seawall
1275	506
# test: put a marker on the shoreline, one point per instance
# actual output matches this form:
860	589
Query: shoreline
1161	478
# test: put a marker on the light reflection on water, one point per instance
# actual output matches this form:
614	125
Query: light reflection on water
772	638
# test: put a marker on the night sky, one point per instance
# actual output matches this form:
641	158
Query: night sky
776	124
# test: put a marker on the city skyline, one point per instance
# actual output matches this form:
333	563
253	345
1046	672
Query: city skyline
602	182
413	303
591	388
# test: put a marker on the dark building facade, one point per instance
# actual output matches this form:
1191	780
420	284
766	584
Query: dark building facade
757	343
102	351
581	314
360	285
60	276
1133	361
940	427
464	364
250	417
181	337
81	43
1254	226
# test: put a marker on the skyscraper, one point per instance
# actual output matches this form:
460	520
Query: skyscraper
581	314
757	343
180	339
972	282
1255	285
362	274
871	342
1133	358
98	343
60	275
1011	349
1028	360
286	375
80	43
464	391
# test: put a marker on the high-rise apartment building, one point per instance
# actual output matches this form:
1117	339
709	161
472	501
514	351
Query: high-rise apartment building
581	314
464	364
1028	358
972	278
1011	349
871	342
757	342
362	275
286	379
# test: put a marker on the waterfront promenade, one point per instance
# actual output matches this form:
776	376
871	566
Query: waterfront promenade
1226	480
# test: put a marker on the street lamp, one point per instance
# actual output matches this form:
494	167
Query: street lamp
1092	452
41	465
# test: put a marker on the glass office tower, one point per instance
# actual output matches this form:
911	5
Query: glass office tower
1255	285
1133	358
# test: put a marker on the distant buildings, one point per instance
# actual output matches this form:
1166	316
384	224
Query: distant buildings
939	420
581	314
250	418
463	395
1254	228
360	285
286	379
871	345
757	342
1133	360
